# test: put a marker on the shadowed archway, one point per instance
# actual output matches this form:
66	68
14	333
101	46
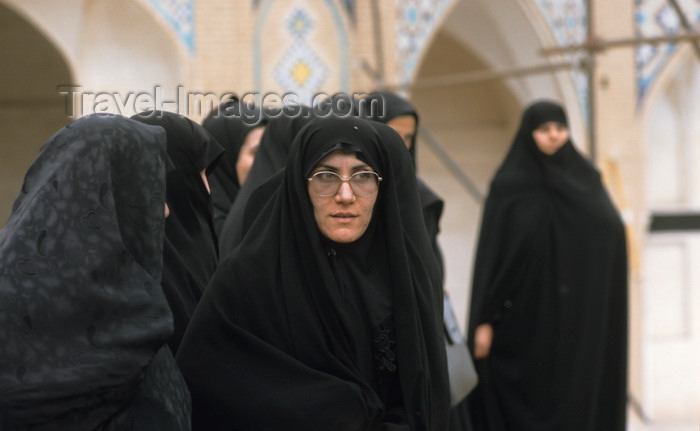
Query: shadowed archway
31	108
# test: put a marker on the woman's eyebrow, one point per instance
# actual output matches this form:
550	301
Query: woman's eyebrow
335	168
325	168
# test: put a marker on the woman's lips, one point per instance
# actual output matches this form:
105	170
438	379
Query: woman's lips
343	217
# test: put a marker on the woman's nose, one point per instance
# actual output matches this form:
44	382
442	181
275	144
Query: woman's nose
345	193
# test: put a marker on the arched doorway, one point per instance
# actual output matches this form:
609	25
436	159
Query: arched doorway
672	245
62	61
474	119
31	109
473	123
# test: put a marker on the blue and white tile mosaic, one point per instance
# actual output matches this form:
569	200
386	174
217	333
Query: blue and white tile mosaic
180	15
655	18
568	21
299	24
301	71
417	20
348	4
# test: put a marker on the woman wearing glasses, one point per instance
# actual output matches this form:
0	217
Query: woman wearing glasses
328	314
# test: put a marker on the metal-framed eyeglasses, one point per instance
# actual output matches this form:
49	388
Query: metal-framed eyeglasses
327	183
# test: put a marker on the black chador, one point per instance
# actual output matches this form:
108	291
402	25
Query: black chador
190	249
83	318
550	276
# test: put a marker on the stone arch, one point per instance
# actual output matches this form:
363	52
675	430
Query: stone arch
84	46
669	140
475	122
102	40
148	58
31	109
669	118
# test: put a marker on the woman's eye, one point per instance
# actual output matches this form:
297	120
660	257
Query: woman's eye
363	176
326	177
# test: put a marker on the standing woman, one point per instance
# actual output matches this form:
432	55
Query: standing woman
190	250
83	319
548	321
238	128
338	325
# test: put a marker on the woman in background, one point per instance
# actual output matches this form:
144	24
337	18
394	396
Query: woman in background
238	127
270	158
548	321
190	251
399	114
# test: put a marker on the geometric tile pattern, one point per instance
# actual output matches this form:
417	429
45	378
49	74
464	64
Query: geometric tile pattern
180	15
300	71
568	22
658	18
349	7
566	18
299	24
416	20
304	57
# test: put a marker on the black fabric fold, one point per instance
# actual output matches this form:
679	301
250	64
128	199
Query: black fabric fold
384	106
190	253
230	124
270	159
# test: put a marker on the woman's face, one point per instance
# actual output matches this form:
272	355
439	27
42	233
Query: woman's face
405	126
550	136
344	216
246	156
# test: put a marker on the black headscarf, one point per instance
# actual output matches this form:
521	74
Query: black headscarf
550	275
270	159
321	336
190	250
230	124
83	319
383	107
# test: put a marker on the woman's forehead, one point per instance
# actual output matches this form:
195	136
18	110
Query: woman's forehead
339	157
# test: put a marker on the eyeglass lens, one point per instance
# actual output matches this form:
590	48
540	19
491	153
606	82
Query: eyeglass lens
328	183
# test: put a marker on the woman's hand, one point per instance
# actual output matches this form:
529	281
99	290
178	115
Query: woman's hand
482	340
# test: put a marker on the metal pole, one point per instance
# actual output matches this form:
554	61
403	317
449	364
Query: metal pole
686	25
595	45
453	167
487	75
590	72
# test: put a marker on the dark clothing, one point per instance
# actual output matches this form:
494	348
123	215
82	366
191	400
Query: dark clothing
269	159
83	319
319	335
551	277
190	249
383	107
230	124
